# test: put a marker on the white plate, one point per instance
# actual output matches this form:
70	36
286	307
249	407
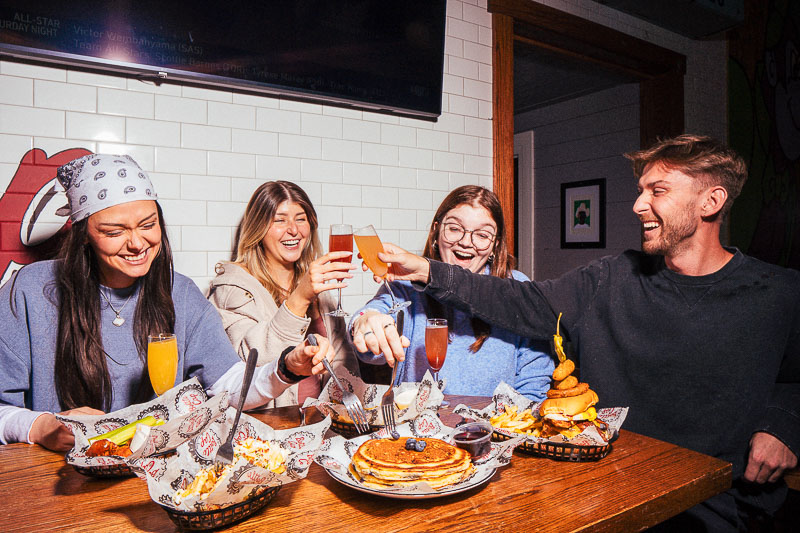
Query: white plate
477	480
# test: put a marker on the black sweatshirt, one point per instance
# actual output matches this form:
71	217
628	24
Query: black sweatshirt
702	361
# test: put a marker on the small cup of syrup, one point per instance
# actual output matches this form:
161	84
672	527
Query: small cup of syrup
474	437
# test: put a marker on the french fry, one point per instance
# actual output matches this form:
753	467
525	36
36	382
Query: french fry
519	422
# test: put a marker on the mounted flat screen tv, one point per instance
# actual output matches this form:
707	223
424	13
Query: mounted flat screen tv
383	55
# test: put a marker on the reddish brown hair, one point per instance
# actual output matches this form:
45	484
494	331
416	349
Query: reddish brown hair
502	262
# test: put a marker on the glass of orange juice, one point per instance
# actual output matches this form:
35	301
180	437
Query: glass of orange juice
369	246
162	361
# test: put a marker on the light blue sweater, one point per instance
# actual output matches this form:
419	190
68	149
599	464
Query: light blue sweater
504	356
28	340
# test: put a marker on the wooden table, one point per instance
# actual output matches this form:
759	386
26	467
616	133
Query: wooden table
642	482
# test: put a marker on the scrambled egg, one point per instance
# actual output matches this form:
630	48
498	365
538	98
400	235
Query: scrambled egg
270	456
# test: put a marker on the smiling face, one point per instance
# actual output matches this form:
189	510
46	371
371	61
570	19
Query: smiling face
467	218
668	207
287	235
126	238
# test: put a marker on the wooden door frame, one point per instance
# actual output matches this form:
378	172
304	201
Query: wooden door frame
660	73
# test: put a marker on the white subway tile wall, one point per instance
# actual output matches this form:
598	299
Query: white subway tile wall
208	149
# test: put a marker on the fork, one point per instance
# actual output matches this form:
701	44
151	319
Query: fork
351	402
387	400
225	452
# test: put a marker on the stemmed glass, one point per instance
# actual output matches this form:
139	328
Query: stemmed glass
436	340
162	361
369	245
340	240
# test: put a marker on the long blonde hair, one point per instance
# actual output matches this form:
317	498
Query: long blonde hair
258	218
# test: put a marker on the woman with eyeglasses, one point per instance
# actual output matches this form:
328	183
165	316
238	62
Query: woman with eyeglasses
467	230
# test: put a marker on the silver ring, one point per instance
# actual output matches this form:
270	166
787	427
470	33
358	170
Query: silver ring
369	333
387	325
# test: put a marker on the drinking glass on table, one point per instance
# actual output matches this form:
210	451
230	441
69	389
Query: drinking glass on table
162	361
436	340
340	240
369	245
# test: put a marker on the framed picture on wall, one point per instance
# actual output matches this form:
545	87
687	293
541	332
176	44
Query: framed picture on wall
583	214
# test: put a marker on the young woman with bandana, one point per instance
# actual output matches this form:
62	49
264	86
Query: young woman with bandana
74	335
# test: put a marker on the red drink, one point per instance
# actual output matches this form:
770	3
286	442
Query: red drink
436	345
340	243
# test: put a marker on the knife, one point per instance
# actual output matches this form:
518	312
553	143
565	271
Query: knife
400	322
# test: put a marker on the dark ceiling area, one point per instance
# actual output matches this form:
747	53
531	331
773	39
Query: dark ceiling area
543	78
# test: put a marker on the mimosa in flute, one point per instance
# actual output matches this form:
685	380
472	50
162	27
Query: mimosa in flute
340	240
369	245
162	361
436	340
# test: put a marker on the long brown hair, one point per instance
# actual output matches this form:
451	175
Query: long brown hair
501	262
258	217
82	377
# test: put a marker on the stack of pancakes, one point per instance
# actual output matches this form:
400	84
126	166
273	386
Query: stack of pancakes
383	463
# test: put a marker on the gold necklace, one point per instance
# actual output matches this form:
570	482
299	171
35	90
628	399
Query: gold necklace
118	321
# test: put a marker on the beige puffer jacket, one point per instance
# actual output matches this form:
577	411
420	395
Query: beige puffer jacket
253	320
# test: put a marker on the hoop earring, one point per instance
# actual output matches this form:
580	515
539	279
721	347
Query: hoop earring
490	260
435	244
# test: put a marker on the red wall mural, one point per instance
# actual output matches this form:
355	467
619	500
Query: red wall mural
30	230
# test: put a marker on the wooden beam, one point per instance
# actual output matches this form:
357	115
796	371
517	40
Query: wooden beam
581	37
503	122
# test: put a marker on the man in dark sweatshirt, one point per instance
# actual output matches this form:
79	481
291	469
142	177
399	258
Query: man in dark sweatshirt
701	341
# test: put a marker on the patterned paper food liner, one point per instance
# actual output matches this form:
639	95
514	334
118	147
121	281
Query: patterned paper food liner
427	396
336	453
167	474
185	408
505	396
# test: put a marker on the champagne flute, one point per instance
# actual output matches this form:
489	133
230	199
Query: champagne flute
436	340
340	240
369	245
162	361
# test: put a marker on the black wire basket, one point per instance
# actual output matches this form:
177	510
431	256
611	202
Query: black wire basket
216	518
348	430
105	471
561	451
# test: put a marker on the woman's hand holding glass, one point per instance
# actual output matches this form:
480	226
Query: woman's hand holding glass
331	266
306	360
375	332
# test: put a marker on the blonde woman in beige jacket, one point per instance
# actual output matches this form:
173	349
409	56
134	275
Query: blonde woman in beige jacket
274	293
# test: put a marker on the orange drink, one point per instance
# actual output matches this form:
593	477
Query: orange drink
370	246
162	361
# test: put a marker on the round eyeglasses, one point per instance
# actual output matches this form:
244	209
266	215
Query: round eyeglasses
481	239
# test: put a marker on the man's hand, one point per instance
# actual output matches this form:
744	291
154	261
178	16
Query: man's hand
402	265
52	434
769	458
306	360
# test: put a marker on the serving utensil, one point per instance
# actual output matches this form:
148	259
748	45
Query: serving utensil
387	400
351	402
225	452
